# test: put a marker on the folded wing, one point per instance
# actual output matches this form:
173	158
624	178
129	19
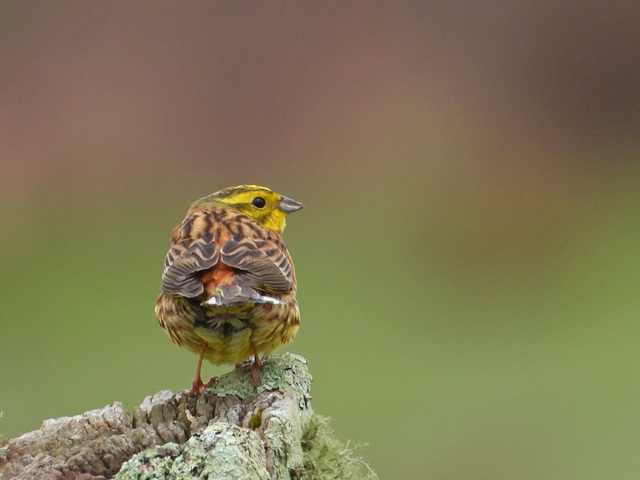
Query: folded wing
263	265
184	263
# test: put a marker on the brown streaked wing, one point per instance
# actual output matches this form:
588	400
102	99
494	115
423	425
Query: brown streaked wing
182	265
264	264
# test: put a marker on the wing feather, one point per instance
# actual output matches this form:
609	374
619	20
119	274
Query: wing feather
264	264
184	262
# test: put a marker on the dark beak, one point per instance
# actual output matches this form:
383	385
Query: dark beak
288	205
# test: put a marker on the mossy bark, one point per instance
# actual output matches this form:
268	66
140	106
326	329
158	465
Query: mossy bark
239	430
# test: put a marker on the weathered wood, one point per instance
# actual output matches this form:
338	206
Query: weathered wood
239	430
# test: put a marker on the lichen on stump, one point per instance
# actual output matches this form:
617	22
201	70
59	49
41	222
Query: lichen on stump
238	430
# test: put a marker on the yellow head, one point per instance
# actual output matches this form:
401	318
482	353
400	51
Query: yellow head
262	204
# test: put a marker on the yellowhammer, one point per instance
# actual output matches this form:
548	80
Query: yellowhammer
228	283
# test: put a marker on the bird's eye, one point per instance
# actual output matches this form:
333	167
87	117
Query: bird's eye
259	202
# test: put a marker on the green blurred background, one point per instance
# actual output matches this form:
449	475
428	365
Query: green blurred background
467	257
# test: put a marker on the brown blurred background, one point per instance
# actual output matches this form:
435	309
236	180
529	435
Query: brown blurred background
468	256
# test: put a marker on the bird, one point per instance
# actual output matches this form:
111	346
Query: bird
228	289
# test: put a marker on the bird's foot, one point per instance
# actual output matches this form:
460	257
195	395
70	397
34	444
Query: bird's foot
252	365
199	387
211	381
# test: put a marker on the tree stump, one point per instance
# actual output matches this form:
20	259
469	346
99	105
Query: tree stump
238	430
